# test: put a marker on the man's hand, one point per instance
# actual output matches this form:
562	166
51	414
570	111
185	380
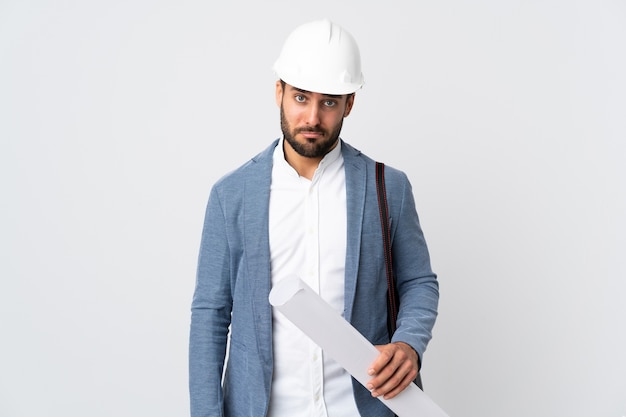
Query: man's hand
393	370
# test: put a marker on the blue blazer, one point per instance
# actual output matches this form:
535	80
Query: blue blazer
233	284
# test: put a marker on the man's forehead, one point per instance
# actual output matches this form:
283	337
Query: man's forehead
313	92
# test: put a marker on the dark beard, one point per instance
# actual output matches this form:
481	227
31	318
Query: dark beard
313	150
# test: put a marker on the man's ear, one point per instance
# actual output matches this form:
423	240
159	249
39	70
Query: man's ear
349	104
279	93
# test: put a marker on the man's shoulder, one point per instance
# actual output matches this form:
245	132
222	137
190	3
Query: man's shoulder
351	153
254	167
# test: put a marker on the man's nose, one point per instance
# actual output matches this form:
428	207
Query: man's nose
312	117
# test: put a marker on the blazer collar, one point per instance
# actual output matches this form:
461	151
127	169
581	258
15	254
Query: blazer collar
256	211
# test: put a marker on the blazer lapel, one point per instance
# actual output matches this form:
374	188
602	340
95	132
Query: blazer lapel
356	182
256	208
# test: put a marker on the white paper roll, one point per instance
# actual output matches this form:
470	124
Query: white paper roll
317	319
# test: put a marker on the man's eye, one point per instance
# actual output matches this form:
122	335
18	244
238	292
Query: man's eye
329	103
300	99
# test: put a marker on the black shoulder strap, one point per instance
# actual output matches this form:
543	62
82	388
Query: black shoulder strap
392	300
392	294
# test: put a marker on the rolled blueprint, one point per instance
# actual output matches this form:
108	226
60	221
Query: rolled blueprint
331	332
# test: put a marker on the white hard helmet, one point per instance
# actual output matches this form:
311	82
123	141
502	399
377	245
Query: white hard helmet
321	57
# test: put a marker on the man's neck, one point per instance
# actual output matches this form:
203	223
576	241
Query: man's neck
305	167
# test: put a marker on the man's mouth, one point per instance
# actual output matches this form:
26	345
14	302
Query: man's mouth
311	133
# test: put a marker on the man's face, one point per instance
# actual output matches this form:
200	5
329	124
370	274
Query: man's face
311	122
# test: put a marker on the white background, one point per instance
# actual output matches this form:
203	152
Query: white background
117	116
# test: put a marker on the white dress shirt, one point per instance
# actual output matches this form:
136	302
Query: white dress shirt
307	232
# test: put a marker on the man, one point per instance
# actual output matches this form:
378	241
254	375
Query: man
307	206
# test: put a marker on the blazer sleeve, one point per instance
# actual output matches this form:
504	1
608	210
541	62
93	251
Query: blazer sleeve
210	314
416	283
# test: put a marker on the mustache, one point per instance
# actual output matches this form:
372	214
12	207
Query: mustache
310	129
